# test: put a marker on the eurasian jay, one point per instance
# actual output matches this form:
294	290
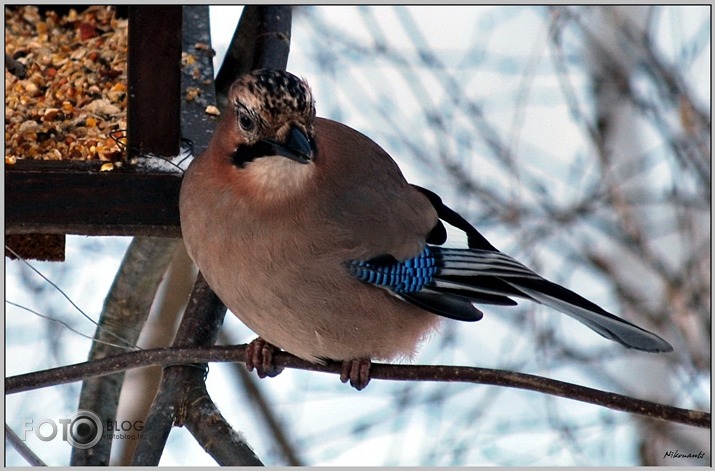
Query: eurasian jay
307	230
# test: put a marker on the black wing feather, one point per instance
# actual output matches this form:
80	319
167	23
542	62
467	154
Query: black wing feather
474	239
485	275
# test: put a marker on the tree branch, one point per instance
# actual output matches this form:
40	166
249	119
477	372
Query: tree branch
199	327
212	431
22	448
123	316
264	410
461	374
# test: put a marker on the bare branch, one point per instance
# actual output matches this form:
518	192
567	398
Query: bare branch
22	448
264	409
199	327
125	311
212	431
442	373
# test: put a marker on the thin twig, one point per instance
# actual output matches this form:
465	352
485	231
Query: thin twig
22	448
178	356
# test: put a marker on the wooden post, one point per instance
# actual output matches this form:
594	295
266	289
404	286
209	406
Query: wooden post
154	76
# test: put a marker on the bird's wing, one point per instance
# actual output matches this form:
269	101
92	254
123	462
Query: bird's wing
383	219
438	236
367	196
444	281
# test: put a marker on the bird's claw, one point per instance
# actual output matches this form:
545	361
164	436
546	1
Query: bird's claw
356	371
259	356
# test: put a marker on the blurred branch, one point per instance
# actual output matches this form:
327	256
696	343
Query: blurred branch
183	356
199	327
22	448
691	143
212	431
125	311
183	399
421	72
141	385
264	409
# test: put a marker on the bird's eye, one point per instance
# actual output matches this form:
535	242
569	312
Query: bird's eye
246	122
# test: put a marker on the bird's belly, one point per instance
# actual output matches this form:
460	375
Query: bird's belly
330	317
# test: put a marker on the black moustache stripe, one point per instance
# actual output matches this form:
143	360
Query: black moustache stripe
246	154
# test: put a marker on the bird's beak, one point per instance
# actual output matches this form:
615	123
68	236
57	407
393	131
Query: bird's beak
296	148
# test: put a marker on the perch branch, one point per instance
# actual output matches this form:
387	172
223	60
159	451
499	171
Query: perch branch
178	356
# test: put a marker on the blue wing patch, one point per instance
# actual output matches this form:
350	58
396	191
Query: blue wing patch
404	277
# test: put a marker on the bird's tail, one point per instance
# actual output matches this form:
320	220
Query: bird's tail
491	277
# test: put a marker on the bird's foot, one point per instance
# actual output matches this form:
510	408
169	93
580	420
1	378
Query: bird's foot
259	355
357	372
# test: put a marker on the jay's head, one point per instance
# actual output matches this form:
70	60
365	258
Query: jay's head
273	114
268	130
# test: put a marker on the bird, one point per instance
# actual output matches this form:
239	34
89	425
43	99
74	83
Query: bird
308	231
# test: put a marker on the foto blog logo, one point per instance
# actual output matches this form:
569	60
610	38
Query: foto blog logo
82	430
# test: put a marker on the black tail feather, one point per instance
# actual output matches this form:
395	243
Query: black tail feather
490	277
482	274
